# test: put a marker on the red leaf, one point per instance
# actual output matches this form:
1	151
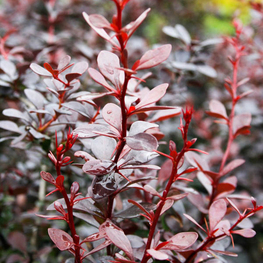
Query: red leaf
18	241
154	57
248	233
62	240
142	141
112	115
216	212
181	241
74	189
48	177
231	166
167	205
152	96
165	171
49	68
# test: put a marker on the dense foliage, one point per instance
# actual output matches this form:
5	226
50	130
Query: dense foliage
116	148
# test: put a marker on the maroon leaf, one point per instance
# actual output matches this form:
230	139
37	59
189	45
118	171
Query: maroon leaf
217	109
181	241
112	115
74	189
165	171
142	141
153	96
48	177
62	240
231	166
216	212
248	233
58	206
167	205
99	247
154	57
72	76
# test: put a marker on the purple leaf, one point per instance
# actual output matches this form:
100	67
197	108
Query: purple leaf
216	212
62	240
118	238
131	27
231	166
112	115
15	113
72	76
98	77
63	62
80	67
167	205
18	241
154	57
35	97
10	126
181	240
157	254
141	126
103	147
99	31
99	21
151	190
48	177
99	247
40	70
153	96
248	233
109	65
142	141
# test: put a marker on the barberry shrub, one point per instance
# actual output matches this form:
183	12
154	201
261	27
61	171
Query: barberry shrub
132	192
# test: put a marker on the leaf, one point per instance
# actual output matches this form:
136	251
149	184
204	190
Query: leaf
109	65
131	27
9	68
183	34
80	67
15	113
103	147
140	127
166	114
10	126
63	62
194	159
99	21
248	233
192	220
205	181
18	241
98	167
154	57
119	239
241	122
47	177
112	115
142	141
72	76
231	166
151	190
181	241
165	171
153	96
217	109
157	254
98	77
62	240
216	212
90	130
207	70
99	31
167	205
40	70
35	97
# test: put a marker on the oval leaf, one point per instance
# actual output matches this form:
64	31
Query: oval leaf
112	115
62	240
142	141
216	212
